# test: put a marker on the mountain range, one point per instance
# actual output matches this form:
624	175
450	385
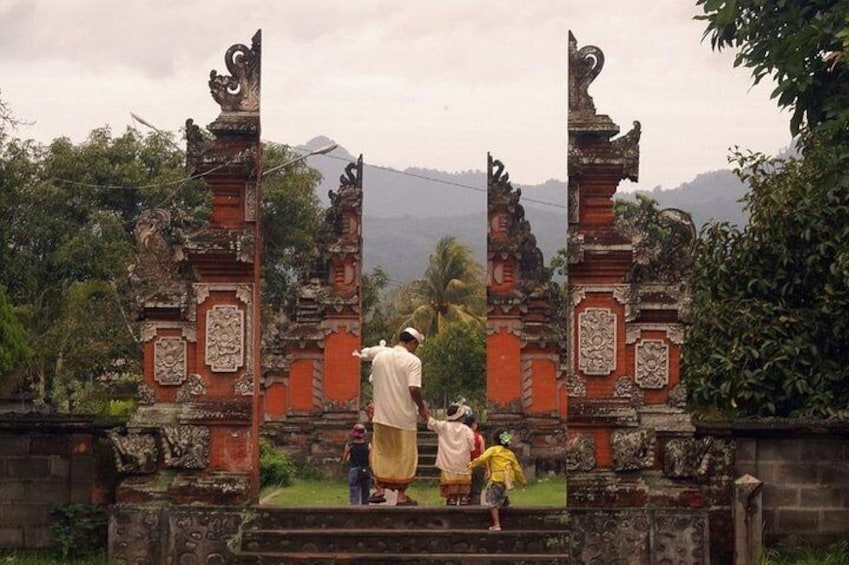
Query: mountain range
406	212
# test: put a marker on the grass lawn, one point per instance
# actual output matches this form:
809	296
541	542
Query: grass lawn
546	491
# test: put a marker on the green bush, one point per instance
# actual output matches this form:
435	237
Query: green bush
78	529
276	468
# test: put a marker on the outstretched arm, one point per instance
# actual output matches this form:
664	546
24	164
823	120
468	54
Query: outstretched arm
416	395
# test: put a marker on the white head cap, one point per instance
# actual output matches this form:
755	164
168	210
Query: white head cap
415	333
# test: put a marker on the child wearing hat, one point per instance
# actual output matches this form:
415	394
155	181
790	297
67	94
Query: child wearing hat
357	455
455	443
504	470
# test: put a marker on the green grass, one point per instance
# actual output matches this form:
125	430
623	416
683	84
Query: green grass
548	491
837	554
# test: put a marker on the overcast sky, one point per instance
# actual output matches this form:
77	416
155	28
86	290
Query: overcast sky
430	83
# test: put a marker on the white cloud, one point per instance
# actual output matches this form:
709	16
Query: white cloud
415	83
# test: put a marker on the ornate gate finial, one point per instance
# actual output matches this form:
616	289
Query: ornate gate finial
240	91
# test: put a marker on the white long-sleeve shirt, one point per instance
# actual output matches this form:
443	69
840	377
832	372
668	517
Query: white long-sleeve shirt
456	442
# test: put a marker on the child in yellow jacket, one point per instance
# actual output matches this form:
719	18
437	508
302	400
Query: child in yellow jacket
504	471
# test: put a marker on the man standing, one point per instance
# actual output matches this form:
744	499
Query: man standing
398	402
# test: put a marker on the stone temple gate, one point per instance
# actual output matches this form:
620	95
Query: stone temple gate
587	377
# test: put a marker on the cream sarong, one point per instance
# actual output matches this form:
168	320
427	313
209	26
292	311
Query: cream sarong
395	456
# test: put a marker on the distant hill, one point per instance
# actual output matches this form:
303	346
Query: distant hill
406	212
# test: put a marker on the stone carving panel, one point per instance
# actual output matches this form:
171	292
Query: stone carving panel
169	360
681	538
612	537
632	450
597	341
225	338
580	453
186	447
244	385
203	535
194	386
576	386
686	457
627	388
677	397
134	453
652	363
145	394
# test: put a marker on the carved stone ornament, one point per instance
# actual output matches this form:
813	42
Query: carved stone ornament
169	360
584	65
627	388
134	453
145	394
244	385
576	386
628	149
597	341
194	386
353	175
239	92
580	453
225	338
186	447
632	449
651	366
686	457
250	202
154	260
677	397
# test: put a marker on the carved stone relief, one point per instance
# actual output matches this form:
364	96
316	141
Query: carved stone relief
225	338
134	453
145	394
632	449
250	202
681	538
677	397
244	385
186	447
239	92
194	386
685	457
580	453
652	363
627	388
169	360
597	341
576	386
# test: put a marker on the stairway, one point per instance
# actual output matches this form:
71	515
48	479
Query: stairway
369	535
428	445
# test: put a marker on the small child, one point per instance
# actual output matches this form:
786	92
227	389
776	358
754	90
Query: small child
357	455
504	470
455	443
478	473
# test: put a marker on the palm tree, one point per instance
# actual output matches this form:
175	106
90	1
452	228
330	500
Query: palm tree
451	290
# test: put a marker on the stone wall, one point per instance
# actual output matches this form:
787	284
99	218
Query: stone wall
46	461
804	466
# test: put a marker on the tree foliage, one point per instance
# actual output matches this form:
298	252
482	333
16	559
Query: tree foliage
67	216
454	364
803	45
771	301
14	346
452	290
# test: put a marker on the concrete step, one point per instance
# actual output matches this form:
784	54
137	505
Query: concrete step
380	541
405	518
403	558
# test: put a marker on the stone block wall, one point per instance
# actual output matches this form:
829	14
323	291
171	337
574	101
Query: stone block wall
46	461
804	467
